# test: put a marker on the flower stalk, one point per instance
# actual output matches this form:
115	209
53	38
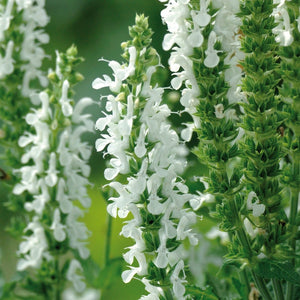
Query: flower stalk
143	171
288	36
55	173
21	39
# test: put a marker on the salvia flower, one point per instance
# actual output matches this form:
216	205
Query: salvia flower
21	39
145	151
56	175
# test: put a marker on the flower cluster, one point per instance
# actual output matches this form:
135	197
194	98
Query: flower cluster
212	50
287	16
28	49
147	153
55	174
21	58
213	67
182	38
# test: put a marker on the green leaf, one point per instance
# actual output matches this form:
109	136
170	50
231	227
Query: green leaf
284	271
201	294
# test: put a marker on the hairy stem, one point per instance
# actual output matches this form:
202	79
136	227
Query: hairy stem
278	289
293	216
260	284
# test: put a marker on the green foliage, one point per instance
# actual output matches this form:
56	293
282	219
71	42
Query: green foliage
276	269
201	294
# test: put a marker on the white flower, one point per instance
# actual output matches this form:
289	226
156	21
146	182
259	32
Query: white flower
249	228
186	134
74	277
140	270
60	173
34	246
51	178
120	73
35	17
219	111
79	117
212	59
201	18
6	63
157	176
5	18
77	232
283	30
155	292
58	229
140	149
38	204
257	208
66	107
177	281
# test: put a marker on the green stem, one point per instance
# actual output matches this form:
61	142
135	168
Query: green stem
245	280
278	289
293	215
261	286
56	295
168	294
108	240
244	241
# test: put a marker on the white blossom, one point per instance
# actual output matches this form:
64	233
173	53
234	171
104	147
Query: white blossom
212	59
120	73
74	277
67	108
159	171
56	168
58	229
34	248
5	18
6	62
283	30
253	203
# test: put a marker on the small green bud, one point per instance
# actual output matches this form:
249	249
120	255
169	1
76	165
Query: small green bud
54	125
173	97
67	122
141	21
53	77
72	51
121	97
136	103
124	45
152	52
144	77
79	76
52	99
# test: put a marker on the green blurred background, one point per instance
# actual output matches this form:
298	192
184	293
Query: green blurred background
97	28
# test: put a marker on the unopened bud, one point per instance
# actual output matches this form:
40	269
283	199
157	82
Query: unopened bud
53	77
79	76
72	51
136	102
124	45
52	99
67	122
120	97
54	125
